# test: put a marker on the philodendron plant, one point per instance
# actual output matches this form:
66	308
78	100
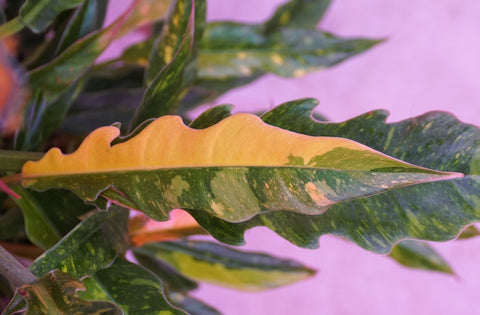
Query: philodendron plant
98	158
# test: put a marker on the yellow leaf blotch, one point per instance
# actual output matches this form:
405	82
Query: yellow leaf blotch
240	140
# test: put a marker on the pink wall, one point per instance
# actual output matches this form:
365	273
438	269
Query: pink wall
430	62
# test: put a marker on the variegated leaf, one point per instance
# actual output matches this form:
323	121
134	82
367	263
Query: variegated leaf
234	170
220	265
435	211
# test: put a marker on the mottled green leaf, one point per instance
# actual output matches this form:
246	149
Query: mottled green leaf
238	50
91	245
87	18
178	25
171	279
136	290
56	293
304	14
168	71
37	15
431	211
191	305
419	255
46	218
221	265
234	170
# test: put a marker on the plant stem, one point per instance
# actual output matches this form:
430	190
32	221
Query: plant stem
12	161
11	27
13	270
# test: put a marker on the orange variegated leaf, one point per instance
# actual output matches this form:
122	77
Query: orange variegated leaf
145	230
234	169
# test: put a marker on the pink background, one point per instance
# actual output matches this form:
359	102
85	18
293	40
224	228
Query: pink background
429	62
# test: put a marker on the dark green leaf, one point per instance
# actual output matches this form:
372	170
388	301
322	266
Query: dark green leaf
221	265
39	14
136	290
419	255
304	14
91	245
432	211
238	50
211	116
87	18
41	117
191	305
172	280
49	215
56	293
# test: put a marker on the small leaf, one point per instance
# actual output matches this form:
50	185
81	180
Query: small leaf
134	289
46	221
238	50
220	265
39	14
419	255
56	293
469	232
234	170
86	248
304	14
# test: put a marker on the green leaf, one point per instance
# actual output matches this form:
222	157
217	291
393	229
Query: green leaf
304	14
37	15
172	280
87	18
435	211
469	232
56	293
220	265
419	255
266	169
238	50
46	220
178	25
41	118
91	245
136	290
168	73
